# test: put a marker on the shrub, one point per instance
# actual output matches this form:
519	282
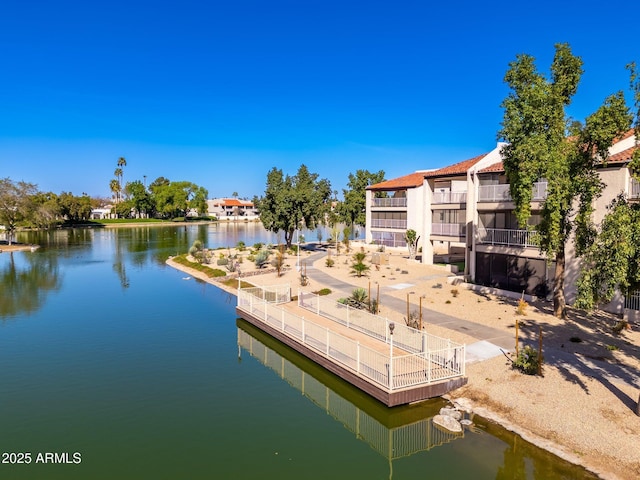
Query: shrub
528	360
324	291
455	292
241	246
262	258
257	246
223	261
521	309
329	262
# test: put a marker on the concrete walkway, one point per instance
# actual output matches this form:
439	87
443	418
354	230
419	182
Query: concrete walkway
491	341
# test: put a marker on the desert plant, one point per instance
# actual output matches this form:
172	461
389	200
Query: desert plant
454	292
521	309
241	246
412	238
358	267
413	321
223	261
527	361
278	262
345	238
262	258
329	262
197	251
322	292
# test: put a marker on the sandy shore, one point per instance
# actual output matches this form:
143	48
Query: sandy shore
581	409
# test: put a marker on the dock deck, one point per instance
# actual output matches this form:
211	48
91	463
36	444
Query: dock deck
393	363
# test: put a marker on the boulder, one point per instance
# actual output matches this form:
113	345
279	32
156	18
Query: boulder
448	423
451	412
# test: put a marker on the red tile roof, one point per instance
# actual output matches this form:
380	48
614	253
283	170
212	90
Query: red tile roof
495	167
234	202
459	168
623	156
408	181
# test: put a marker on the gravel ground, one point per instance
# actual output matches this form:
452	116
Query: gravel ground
581	409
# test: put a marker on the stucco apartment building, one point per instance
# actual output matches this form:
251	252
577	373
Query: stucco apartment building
464	212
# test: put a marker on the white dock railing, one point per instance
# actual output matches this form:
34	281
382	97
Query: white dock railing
391	372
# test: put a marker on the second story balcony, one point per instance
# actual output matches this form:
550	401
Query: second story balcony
389	202
388	223
449	229
449	197
501	236
501	193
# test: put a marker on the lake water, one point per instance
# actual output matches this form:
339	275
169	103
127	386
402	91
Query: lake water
112	360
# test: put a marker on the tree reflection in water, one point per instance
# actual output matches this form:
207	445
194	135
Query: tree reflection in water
25	282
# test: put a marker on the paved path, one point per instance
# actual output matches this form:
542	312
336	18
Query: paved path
491	341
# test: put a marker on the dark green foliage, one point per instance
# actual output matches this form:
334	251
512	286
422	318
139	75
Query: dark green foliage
352	210
358	299
290	202
222	261
528	360
324	291
535	127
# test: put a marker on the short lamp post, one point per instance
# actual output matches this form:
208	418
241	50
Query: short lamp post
391	327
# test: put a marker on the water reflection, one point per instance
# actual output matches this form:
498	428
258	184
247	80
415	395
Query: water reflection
406	431
26	278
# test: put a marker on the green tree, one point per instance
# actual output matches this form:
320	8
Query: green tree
141	199
46	211
16	204
352	209
536	126
291	202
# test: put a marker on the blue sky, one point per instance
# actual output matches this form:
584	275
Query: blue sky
218	92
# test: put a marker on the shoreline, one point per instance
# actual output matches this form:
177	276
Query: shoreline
483	404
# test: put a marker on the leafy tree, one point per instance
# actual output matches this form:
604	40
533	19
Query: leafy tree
141	200
353	209
46	210
16	204
174	199
74	208
289	202
536	126
612	257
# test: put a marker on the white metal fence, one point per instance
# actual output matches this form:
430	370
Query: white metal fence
501	236
501	192
389	202
449	197
423	366
446	358
632	300
449	229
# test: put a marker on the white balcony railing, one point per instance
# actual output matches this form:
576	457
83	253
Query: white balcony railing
387	223
501	193
634	188
389	202
500	236
449	197
449	229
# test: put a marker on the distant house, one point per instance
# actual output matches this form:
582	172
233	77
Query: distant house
231	207
102	213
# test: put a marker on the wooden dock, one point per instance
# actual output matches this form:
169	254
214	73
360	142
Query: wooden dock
392	363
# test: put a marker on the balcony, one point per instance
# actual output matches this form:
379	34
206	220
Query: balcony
634	188
500	193
387	223
449	197
449	229
510	238
389	202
